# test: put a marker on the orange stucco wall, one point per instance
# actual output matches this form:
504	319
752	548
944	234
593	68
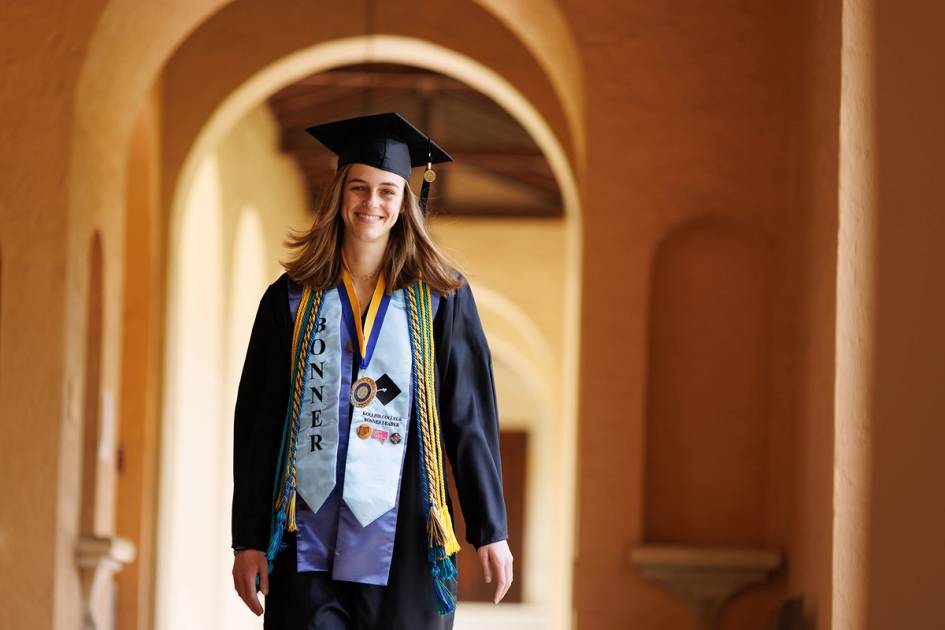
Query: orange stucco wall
904	555
669	140
724	111
40	68
714	105
810	549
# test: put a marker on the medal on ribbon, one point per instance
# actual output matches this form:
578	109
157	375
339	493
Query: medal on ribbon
380	409
363	392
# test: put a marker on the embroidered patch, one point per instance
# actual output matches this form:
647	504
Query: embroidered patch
380	435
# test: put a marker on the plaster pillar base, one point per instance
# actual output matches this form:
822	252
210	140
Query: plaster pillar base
99	558
704	578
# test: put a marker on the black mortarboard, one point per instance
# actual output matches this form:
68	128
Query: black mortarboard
385	141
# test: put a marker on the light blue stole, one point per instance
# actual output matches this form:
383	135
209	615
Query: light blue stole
350	459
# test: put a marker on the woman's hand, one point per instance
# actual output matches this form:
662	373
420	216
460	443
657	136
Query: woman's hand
496	560
247	564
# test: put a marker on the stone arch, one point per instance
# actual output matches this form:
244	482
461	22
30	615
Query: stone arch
545	31
380	48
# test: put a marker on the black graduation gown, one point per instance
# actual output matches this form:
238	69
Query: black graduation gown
469	429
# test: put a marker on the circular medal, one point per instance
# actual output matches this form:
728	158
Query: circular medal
429	175
363	391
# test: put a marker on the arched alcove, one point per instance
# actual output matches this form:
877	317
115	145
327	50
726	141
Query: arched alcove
707	390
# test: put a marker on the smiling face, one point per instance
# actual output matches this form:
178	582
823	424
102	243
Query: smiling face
371	202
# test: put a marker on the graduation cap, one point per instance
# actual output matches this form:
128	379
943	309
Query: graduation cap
385	141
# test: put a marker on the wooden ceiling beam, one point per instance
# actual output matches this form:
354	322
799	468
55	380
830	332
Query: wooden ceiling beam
401	80
498	211
296	141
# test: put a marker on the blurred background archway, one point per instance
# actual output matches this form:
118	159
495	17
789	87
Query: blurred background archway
752	337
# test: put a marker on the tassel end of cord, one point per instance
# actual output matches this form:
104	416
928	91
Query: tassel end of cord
292	526
440	529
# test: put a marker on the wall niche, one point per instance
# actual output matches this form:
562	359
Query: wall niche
707	388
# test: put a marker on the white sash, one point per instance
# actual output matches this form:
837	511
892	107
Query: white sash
377	437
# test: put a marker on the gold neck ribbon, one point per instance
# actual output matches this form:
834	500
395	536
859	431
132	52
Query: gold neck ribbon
364	333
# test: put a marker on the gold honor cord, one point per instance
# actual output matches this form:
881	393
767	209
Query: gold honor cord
450	544
439	525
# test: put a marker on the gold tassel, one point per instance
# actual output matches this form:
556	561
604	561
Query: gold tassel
450	544
292	526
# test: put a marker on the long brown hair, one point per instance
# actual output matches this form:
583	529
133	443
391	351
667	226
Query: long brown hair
411	253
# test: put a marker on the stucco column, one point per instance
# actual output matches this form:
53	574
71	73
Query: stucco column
856	297
888	556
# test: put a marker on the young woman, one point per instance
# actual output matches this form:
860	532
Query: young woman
367	362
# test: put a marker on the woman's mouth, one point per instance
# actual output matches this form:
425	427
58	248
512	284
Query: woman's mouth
368	218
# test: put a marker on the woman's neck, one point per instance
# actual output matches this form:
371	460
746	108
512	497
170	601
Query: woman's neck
364	258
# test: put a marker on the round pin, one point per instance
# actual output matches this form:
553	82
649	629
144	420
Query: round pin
395	438
364	431
363	392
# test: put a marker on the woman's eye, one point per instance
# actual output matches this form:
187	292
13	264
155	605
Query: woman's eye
386	192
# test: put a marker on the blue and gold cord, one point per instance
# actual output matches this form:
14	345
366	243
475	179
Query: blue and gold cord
284	489
441	539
